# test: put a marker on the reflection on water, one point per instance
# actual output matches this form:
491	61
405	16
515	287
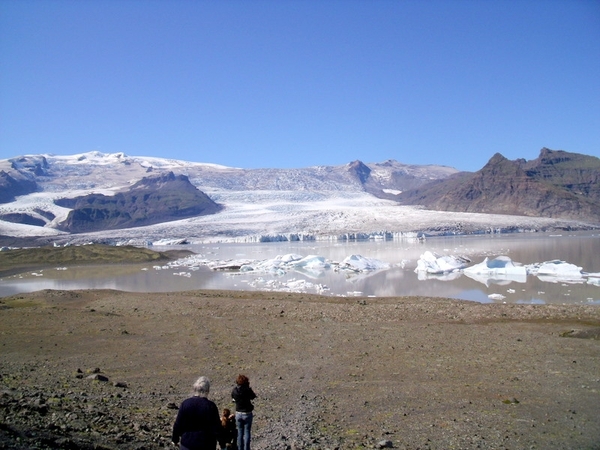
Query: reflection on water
581	249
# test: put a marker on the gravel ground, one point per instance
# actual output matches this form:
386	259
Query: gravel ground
107	370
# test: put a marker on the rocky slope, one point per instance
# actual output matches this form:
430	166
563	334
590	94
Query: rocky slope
155	199
557	184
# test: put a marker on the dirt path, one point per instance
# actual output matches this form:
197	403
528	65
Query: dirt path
329	373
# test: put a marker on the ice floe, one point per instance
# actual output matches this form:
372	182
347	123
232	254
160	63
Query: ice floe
274	274
500	270
557	271
445	268
431	262
358	263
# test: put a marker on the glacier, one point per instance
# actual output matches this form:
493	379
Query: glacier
260	205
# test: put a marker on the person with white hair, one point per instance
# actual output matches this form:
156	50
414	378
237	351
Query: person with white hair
198	424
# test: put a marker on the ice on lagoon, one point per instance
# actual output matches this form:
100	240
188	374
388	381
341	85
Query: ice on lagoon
358	263
310	265
292	285
431	266
432	263
557	271
312	262
424	276
500	270
290	257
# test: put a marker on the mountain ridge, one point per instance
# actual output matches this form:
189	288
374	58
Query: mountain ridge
557	184
93	192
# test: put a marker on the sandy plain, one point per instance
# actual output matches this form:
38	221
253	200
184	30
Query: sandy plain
106	369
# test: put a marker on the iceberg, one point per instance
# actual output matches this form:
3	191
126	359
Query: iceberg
556	271
431	262
358	263
312	263
500	270
594	281
290	257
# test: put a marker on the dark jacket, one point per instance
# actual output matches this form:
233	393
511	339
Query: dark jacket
242	395
198	424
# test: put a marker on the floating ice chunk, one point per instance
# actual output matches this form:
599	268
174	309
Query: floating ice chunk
556	271
354	293
496	297
298	285
423	276
431	262
312	262
594	281
290	257
359	263
231	265
500	270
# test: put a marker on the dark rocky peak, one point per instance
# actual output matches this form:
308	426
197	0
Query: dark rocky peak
548	156
151	200
33	165
159	181
562	160
13	186
360	170
500	166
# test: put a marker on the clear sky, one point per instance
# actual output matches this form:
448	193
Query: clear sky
298	83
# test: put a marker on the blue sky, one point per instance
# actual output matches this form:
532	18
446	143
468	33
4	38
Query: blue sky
292	83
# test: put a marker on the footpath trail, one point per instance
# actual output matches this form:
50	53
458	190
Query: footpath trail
329	372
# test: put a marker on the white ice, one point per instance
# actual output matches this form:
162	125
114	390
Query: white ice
557	271
500	270
431	262
358	263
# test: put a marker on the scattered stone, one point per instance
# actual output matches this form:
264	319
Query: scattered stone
98	377
590	333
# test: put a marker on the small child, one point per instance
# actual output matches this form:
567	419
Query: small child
229	432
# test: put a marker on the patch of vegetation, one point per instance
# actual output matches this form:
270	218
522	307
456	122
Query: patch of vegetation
83	254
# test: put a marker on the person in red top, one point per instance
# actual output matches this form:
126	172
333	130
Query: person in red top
198	424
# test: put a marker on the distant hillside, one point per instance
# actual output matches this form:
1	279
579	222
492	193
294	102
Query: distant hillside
157	199
557	184
13	186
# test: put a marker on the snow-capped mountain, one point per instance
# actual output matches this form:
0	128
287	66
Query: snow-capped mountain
40	194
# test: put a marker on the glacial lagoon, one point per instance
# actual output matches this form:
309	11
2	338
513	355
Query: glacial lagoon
396	276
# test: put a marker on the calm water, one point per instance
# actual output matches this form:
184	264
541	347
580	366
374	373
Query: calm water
581	249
